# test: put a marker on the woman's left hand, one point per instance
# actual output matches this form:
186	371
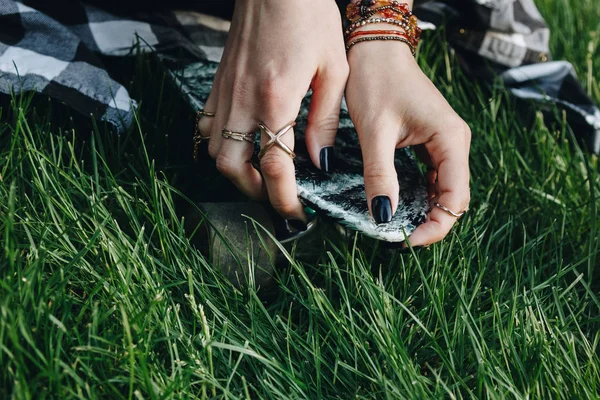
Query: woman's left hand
393	105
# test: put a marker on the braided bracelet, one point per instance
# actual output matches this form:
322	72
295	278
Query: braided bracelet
372	38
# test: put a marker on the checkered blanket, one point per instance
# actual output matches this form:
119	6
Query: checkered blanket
55	48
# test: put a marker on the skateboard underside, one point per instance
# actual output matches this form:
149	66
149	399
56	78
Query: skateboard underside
340	194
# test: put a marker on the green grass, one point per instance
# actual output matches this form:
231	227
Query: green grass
102	294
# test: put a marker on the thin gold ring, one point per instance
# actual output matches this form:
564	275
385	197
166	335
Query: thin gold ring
202	113
449	211
274	139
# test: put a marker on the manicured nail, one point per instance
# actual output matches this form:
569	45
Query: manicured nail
297	224
382	209
310	212
326	158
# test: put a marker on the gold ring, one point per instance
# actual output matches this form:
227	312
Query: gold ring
274	139
239	136
198	138
449	211
202	113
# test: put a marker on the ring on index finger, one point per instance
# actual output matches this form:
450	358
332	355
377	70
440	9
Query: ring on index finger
274	139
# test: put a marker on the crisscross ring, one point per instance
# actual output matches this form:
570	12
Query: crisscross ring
274	139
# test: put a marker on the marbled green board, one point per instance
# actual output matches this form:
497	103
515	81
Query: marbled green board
340	194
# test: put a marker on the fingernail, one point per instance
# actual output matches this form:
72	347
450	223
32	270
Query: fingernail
310	212
382	209
406	250
326	158
297	224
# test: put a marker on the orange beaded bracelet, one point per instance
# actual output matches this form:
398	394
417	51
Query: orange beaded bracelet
363	8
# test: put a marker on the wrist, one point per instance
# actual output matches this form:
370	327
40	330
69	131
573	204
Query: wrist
384	52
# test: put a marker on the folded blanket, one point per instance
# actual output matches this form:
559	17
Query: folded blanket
52	48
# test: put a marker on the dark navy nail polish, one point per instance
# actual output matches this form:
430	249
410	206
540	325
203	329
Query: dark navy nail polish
326	158
381	206
297	224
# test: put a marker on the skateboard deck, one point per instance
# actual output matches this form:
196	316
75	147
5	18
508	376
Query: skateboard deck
340	194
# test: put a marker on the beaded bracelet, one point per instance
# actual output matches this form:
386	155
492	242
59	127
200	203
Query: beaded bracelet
361	9
391	12
401	23
410	27
372	38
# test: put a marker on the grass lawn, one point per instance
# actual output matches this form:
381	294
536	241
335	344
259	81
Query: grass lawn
102	295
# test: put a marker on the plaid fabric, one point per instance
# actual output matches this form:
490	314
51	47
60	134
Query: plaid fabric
510	38
53	47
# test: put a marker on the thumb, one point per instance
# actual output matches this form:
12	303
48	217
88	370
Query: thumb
381	181
324	115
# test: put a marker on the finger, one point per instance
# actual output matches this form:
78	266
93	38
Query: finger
219	121
431	179
277	168
324	116
452	191
233	160
205	123
431	174
381	181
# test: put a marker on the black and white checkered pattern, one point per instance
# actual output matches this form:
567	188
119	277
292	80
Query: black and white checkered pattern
511	39
52	47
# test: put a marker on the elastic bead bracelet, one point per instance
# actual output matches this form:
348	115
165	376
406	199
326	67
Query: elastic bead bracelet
385	11
397	38
363	22
361	9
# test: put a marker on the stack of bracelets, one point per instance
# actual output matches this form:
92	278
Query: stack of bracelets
392	12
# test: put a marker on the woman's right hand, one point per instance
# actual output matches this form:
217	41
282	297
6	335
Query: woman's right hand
276	50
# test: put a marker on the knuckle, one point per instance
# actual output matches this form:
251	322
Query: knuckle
272	166
377	173
460	127
283	208
213	149
467	200
204	126
330	123
226	165
440	232
341	72
241	90
273	92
